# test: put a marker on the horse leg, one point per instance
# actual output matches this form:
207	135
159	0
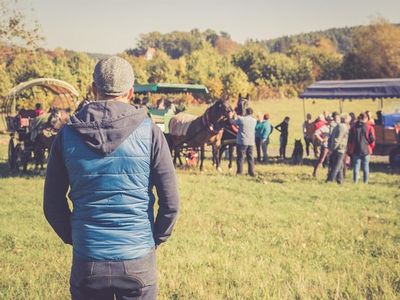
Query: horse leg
179	157
175	150
217	152
36	156
214	155
39	157
42	159
231	148
201	158
220	152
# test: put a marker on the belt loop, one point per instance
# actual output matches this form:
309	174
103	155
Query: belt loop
109	275
123	262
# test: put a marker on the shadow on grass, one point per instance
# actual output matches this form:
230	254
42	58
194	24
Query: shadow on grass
374	166
6	172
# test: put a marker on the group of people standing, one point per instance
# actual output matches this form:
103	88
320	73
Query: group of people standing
257	131
339	139
336	140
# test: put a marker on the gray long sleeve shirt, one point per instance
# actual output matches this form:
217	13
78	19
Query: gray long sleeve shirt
339	138
247	130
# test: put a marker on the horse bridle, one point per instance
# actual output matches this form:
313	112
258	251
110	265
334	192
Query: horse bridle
212	127
207	124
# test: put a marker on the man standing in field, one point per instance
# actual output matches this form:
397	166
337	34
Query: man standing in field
245	139
109	156
337	145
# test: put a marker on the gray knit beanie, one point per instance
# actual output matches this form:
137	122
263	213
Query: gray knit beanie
113	76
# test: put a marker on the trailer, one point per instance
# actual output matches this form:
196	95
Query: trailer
387	135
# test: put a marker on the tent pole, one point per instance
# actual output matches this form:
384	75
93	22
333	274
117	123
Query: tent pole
304	109
381	104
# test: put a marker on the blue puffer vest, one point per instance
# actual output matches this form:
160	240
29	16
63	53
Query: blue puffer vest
112	197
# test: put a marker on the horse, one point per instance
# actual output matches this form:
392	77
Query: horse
228	140
242	105
201	131
43	131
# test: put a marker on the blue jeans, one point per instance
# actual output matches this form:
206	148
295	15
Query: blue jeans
282	145
124	280
363	162
264	147
336	165
245	151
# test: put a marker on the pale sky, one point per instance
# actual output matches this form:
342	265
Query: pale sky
112	26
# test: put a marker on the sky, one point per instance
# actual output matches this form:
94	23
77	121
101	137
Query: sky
113	26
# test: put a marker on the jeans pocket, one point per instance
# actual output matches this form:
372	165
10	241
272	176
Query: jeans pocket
80	270
143	269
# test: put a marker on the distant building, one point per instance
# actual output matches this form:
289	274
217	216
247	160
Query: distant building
150	53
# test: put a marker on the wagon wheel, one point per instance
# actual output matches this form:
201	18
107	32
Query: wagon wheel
21	161
11	153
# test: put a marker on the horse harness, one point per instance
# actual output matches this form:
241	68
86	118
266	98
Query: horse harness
207	124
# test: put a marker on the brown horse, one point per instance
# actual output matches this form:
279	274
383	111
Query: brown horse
204	130
228	140
43	133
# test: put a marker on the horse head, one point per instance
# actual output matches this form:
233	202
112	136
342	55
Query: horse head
217	114
222	109
57	118
242	105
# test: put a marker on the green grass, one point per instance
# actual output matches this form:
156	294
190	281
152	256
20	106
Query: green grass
281	235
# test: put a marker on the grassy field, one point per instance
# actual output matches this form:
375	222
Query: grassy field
280	235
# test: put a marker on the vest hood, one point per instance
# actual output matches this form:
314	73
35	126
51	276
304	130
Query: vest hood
104	125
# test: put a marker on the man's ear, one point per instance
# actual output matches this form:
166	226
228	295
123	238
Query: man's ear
130	94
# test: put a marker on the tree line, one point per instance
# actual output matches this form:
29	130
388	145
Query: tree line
274	69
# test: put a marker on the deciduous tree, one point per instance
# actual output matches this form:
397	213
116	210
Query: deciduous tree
376	52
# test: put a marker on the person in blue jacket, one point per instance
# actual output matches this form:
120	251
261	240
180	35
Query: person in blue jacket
109	157
263	132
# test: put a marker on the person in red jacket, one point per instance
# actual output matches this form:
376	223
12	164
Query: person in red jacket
38	109
319	122
361	145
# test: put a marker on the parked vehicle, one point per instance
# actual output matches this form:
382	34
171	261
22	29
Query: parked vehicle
387	135
31	132
162	112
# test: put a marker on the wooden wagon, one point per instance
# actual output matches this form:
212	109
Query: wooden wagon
20	122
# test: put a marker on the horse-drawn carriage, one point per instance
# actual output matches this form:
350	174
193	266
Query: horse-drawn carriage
165	109
388	130
32	131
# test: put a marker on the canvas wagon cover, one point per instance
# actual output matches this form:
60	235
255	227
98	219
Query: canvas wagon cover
179	124
353	89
